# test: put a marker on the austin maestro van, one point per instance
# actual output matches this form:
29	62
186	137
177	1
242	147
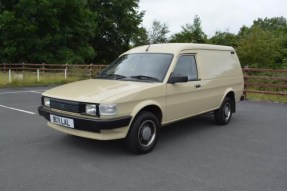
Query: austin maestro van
145	89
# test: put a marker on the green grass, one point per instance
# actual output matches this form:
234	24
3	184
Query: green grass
267	97
264	97
21	79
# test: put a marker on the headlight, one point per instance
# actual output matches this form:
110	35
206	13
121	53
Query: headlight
108	109
46	101
91	109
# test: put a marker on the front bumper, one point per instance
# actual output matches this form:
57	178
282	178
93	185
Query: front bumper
87	124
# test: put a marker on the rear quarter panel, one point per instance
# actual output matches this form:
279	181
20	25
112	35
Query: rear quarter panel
220	73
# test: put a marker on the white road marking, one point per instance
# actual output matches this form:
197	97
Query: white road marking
32	113
36	91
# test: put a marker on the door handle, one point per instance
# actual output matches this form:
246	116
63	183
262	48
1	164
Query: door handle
197	86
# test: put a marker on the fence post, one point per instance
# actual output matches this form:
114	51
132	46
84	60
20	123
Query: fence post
245	73
10	78
43	67
91	70
23	66
4	67
38	75
65	73
66	68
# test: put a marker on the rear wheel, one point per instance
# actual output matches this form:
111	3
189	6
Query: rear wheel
143	134
224	113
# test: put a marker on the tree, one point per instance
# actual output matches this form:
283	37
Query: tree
74	31
7	4
277	26
117	24
264	44
224	38
191	33
140	38
271	24
51	31
158	32
257	49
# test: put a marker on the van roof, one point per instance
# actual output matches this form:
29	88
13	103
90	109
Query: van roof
175	48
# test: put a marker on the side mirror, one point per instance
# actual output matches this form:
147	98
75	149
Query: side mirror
177	79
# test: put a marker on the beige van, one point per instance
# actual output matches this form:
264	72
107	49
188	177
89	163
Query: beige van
146	88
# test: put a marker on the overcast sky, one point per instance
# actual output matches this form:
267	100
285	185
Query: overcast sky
215	15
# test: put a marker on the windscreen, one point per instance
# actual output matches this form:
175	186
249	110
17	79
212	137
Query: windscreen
140	66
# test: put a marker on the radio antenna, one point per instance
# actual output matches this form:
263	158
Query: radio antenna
148	47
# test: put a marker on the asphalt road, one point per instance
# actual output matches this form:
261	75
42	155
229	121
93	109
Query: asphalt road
196	154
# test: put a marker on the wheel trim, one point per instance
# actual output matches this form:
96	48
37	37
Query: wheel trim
227	111
147	133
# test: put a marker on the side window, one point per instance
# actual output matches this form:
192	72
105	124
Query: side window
186	66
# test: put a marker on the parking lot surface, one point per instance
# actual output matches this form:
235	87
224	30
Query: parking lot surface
196	154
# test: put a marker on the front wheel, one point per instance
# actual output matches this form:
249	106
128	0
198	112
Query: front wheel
143	134
224	113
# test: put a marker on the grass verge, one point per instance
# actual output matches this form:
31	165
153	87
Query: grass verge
264	97
30	79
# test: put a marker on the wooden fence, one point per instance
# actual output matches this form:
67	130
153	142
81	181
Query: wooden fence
259	81
90	70
265	81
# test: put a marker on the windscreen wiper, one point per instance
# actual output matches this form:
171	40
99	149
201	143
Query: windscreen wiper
112	76
143	77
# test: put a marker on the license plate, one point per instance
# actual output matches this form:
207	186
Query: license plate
62	121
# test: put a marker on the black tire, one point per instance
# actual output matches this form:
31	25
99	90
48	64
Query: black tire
224	113
143	133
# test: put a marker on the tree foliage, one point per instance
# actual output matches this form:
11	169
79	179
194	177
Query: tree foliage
263	44
256	48
46	31
158	33
191	33
118	23
140	38
61	31
224	38
83	31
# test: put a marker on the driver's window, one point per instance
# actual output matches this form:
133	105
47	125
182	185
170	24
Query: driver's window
186	66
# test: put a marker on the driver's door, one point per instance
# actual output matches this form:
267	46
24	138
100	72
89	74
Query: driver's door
184	99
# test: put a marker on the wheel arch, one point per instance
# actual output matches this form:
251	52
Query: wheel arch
150	106
231	95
